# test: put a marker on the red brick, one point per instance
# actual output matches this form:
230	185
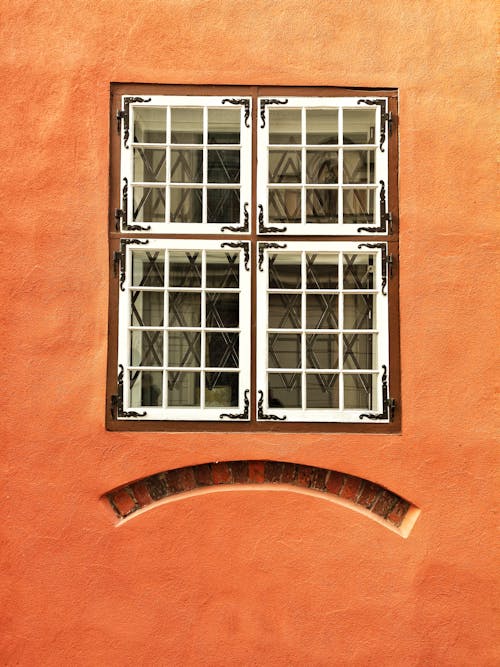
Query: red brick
123	502
141	493
386	501
304	474
288	473
334	482
157	486
351	488
369	494
256	472
398	512
318	479
240	471
185	479
203	475
272	471
221	473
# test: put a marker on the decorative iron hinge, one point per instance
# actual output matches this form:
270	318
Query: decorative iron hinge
267	230
239	244
385	117
387	261
262	247
123	115
388	403
263	104
121	214
240	101
239	228
240	415
385	215
117	400
260	410
119	258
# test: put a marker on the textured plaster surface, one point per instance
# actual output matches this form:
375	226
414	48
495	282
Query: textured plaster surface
242	578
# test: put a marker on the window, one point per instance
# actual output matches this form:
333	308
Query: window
254	259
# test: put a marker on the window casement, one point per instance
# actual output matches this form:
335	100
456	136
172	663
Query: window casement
254	259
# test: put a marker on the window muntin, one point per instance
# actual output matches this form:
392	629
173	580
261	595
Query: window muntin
184	327
321	169
186	165
322	335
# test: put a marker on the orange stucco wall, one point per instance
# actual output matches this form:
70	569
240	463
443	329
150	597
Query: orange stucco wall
269	578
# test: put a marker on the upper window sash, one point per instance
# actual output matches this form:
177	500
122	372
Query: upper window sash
322	165
185	164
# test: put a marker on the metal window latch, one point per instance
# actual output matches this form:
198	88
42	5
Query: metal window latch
118	261
388	117
389	260
120	115
390	407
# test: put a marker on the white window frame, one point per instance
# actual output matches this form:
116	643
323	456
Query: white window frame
124	328
381	330
380	186
168	102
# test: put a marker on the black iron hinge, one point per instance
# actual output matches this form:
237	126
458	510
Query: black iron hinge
385	215
119	260
240	415
261	415
123	115
388	403
385	117
387	262
117	400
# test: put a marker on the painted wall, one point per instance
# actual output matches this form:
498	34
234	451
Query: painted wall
269	578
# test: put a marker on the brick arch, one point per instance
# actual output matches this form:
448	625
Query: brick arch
373	500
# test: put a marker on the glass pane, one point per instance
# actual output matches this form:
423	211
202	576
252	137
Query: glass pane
222	269
284	270
149	165
221	390
358	206
146	388
285	126
358	391
358	311
322	167
284	390
146	348
322	391
185	309
185	205
222	309
359	126
284	311
186	166
148	204
284	351
358	271
223	166
184	268
322	311
322	270
150	125
187	126
223	206
359	351
224	126
284	206
183	389
285	167
147	309
148	268
359	167
221	350
184	348
322	207
322	126
322	351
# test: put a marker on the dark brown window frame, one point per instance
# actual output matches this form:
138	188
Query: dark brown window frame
392	240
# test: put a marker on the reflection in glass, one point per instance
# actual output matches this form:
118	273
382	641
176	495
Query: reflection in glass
223	166
149	165
148	268
222	268
285	126
223	205
284	350
322	206
358	311
187	126
146	388
359	126
358	206
224	126
358	391
150	125
322	167
284	270
359	166
184	348
284	206
221	350
322	351
359	351
183	389
284	390
284	167
322	270
322	390
184	309
221	390
322	126
222	309
185	205
147	309
186	166
358	271
184	268
148	204
146	348
284	311
322	311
